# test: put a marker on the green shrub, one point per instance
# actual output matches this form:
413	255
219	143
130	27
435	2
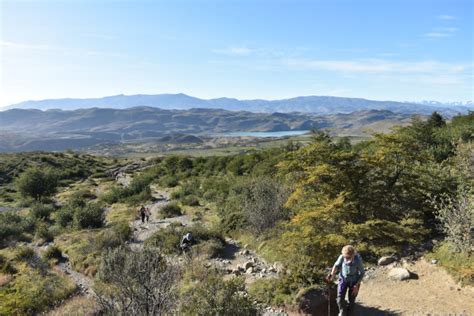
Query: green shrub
209	248
64	216
271	292
52	252
168	239
210	295
460	265
114	236
32	292
42	231
169	181
24	253
170	210
190	200
6	266
91	216
41	211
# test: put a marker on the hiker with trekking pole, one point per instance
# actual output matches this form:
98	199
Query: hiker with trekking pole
351	271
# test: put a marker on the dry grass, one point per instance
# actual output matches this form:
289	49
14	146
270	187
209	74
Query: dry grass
78	305
4	279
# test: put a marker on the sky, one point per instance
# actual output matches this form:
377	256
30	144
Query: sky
402	50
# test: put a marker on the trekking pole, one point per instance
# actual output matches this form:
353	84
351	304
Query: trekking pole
328	282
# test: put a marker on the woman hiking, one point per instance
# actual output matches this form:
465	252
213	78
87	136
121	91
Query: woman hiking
351	271
142	212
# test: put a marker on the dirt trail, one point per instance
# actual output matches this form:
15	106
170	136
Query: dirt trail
143	231
434	292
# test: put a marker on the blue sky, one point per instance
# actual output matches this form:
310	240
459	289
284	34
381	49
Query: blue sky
385	50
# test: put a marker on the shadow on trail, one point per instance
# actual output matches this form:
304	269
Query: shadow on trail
314	302
229	251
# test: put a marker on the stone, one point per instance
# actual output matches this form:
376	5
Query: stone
434	261
399	274
236	271
383	261
245	252
249	270
248	264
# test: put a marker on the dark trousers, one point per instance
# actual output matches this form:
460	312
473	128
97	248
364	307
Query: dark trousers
143	218
342	288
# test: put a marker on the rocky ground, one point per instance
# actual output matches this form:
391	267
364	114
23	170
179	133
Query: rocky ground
415	288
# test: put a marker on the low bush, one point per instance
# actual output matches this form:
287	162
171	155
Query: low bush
169	181
170	210
6	266
52	253
114	237
24	253
210	295
32	292
41	211
91	216
460	265
190	200
64	216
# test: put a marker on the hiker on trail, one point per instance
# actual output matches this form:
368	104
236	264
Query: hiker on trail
142	213
186	242
147	214
351	271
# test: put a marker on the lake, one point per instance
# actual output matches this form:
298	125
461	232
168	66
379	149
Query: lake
262	134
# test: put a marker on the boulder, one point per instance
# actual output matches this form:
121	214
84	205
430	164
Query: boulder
399	274
248	264
383	261
249	270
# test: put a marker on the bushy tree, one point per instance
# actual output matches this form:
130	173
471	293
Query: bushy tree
137	283
264	204
37	183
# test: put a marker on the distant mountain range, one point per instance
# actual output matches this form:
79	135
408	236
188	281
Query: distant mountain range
22	130
306	104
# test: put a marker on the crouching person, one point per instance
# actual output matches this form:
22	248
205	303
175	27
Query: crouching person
351	271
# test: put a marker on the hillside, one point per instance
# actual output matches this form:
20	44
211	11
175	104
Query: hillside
266	227
26	130
307	104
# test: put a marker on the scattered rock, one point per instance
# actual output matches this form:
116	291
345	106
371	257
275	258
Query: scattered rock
383	261
248	264
399	274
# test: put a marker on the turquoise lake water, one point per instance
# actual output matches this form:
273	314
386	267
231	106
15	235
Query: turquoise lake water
263	134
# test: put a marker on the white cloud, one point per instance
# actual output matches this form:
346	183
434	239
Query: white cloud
440	32
446	17
27	46
437	34
377	66
235	51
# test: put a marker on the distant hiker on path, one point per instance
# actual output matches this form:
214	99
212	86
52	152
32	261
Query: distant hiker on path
351	271
186	242
147	214
142	212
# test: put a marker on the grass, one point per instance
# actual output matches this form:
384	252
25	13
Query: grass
81	248
76	306
121	212
30	291
459	265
